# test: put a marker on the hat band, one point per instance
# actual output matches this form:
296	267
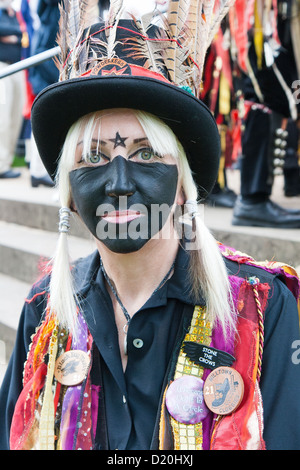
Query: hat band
118	67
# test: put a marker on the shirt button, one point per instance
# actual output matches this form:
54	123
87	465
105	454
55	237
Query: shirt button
138	343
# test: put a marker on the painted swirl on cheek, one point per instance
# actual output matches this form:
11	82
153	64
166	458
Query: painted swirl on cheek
124	203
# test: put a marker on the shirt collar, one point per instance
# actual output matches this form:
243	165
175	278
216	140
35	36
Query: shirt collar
84	273
179	285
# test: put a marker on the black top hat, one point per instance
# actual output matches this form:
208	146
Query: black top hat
126	78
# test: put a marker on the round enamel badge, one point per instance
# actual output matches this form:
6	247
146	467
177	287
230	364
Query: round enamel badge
113	66
223	390
71	367
184	400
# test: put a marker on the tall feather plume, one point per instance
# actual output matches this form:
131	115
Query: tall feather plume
89	12
221	10
75	17
114	14
198	25
168	49
74	31
141	48
204	19
60	61
100	49
189	27
176	19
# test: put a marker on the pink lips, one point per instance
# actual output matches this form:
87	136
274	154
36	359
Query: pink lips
121	217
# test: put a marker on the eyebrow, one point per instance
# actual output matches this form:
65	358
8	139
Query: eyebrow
137	141
101	142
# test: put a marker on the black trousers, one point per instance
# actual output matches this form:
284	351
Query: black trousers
259	127
257	163
256	177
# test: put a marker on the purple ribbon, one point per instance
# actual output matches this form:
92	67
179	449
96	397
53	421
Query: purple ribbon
71	409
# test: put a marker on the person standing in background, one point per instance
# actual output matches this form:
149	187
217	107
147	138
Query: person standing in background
42	75
12	89
124	134
265	55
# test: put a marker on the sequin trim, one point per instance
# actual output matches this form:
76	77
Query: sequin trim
190	436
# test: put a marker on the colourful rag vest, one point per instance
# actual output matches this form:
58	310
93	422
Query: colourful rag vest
242	429
51	416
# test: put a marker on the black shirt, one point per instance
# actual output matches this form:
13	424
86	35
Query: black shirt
131	399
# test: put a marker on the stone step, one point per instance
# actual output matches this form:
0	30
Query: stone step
33	207
37	208
12	293
3	362
24	249
41	215
261	243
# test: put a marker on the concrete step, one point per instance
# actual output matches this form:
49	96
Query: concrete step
42	215
33	207
259	242
12	293
23	249
37	208
22	252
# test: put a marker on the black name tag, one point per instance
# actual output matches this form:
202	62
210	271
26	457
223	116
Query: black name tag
206	356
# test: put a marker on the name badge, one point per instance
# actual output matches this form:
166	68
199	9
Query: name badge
71	368
206	356
184	400
223	390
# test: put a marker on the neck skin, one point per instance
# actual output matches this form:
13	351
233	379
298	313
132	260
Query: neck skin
136	275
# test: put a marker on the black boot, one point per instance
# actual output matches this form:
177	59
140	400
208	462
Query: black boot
264	214
42	181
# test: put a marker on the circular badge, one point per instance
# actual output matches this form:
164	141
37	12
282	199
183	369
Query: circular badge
71	367
184	400
113	66
223	390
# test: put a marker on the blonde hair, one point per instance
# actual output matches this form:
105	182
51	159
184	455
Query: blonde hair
207	271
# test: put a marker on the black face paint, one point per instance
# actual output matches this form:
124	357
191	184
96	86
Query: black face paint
118	141
145	191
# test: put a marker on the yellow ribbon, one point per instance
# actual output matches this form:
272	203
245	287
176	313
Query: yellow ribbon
46	428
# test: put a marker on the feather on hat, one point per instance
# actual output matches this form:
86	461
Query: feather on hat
153	63
180	44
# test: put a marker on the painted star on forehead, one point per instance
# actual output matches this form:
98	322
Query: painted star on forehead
118	140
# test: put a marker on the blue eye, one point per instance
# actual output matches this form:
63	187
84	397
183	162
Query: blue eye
145	155
93	158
